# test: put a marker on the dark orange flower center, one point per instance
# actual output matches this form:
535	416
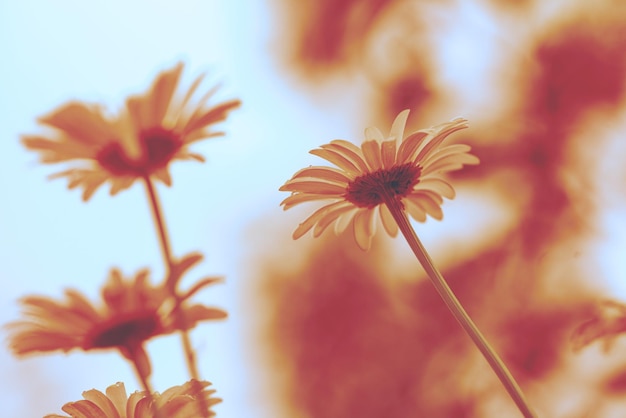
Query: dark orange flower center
370	190
124	332
157	148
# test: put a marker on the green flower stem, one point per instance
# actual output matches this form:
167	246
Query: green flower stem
166	251
455	307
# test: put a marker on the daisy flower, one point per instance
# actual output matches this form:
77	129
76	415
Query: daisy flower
175	402
395	168
134	310
152	130
391	178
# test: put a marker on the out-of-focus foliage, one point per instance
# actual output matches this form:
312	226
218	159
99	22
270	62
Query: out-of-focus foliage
543	85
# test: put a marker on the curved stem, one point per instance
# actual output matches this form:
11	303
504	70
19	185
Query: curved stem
457	310
166	251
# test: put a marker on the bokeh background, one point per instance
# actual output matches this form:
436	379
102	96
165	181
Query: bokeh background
533	243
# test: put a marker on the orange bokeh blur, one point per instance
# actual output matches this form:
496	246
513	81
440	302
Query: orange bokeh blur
353	340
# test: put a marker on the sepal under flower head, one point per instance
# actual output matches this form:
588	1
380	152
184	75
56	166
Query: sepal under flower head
404	169
176	402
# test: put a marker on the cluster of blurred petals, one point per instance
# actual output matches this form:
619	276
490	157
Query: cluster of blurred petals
176	402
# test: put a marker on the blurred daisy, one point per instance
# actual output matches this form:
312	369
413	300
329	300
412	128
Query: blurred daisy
175	402
152	130
134	311
368	178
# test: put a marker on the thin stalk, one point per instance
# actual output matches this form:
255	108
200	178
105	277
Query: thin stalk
166	252
141	366
457	310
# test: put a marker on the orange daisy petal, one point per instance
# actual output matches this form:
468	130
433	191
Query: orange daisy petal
330	217
80	121
160	96
388	153
371	152
409	146
324	173
438	186
388	222
309	222
350	151
364	228
313	186
398	125
296	199
373	134
450	163
337	159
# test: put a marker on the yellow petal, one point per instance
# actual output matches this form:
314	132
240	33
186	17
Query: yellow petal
435	197
58	149
364	228
450	163
371	152
199	106
344	220
103	402
84	409
161	93
447	150
86	123
388	153
350	151
330	217
213	115
131	404
309	222
163	175
337	159
388	221
197	313
296	199
120	183
409	146
312	186
414	209
93	185
348	147
397	128
373	134
430	206
190	91
117	394
325	173
438	186
437	137
143	408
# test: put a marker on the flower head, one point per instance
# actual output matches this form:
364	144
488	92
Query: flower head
175	402
133	311
403	169
153	129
